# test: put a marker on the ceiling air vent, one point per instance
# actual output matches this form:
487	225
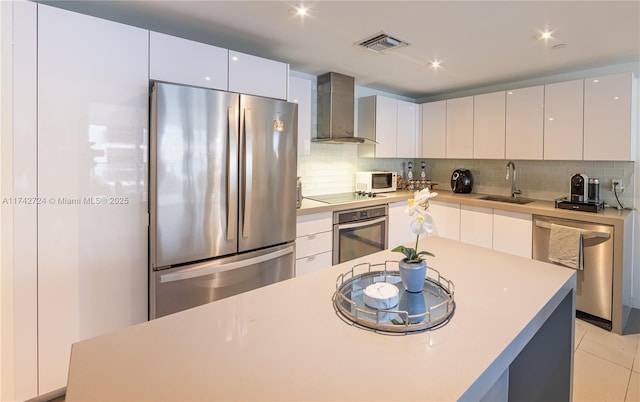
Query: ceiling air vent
382	42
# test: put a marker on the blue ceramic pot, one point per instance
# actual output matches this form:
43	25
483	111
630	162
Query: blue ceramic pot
415	305
413	275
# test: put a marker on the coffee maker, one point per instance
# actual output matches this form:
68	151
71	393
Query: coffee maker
578	187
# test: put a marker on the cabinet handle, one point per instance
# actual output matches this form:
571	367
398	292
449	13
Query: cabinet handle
311	236
311	258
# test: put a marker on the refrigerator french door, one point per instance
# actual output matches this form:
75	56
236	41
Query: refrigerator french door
222	195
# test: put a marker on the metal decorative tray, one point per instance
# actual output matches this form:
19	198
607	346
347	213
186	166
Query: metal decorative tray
415	312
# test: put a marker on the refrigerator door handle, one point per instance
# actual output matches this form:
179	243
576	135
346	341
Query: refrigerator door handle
207	269
248	172
232	177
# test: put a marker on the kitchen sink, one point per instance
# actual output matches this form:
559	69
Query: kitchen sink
503	198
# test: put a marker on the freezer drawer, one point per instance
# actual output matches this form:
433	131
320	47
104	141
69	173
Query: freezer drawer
178	289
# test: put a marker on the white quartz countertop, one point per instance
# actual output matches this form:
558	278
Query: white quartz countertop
285	342
608	216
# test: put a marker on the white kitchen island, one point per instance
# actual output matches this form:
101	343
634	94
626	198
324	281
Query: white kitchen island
511	337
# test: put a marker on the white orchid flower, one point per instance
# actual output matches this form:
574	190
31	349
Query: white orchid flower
420	202
422	225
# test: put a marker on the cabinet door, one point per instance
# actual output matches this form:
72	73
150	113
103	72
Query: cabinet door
407	130
489	125
524	123
254	75
400	225
460	128
563	118
183	61
300	93
93	92
314	223
386	127
434	129
446	219
476	226
512	232
609	117
313	263
315	243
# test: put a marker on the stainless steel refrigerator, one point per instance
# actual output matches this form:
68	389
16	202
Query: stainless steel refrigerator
222	195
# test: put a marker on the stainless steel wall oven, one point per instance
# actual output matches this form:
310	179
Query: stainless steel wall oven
359	232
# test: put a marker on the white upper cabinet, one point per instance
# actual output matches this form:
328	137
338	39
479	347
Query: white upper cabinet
257	76
489	125
407	130
524	126
300	93
93	94
183	61
386	126
563	120
434	129
610	117
391	123
377	121
460	128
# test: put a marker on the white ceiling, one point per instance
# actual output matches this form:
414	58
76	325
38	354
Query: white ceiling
480	43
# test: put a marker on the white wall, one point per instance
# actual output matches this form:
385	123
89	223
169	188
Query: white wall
635	289
3	81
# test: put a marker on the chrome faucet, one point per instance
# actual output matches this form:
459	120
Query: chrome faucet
514	191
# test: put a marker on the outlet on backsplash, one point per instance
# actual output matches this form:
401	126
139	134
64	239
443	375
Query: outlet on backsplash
616	185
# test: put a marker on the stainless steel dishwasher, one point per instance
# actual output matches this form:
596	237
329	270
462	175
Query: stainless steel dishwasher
595	281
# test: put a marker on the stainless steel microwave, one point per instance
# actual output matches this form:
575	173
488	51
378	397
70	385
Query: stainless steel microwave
376	182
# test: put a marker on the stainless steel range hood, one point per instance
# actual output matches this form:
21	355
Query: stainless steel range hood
336	109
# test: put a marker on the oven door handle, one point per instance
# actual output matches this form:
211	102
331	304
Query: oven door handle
361	223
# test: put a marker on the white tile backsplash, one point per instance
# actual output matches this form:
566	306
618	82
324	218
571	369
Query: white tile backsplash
331	169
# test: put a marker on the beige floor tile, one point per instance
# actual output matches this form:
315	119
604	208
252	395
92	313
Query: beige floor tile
636	362
608	345
580	330
633	391
597	379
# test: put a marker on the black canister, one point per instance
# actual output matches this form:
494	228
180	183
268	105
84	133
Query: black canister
594	190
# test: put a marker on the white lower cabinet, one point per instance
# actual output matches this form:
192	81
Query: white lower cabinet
93	93
476	226
445	219
512	232
400	225
314	242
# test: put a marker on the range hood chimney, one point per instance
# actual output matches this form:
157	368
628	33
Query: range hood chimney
336	109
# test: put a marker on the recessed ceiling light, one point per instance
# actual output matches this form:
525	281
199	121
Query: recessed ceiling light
436	64
300	10
547	35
